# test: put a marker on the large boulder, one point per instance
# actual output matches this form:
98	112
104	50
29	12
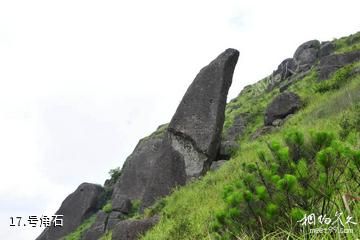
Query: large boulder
196	127
193	136
132	229
136	172
77	207
329	64
284	104
306	55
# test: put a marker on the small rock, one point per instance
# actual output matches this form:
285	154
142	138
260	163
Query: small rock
277	122
284	104
262	131
132	229
237	128
227	148
217	164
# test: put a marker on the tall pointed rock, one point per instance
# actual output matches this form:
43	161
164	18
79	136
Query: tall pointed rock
196	127
192	139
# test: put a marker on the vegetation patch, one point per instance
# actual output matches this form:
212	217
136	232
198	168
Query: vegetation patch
81	230
291	180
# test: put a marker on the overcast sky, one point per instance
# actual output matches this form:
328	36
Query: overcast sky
82	81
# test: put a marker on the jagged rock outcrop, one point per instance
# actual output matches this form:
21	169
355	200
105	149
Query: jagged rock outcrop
329	64
132	229
78	206
305	56
284	104
170	157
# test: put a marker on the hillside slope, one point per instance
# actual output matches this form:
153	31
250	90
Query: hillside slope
289	149
329	105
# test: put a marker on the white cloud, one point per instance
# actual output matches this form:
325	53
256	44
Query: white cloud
82	81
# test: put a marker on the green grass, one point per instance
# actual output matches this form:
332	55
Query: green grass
78	233
188	212
107	236
348	44
107	207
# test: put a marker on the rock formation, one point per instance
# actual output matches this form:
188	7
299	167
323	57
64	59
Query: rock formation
77	207
306	55
192	139
331	63
196	127
136	172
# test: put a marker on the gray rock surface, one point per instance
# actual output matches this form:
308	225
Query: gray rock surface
306	55
167	173
326	48
232	134
132	229
238	127
193	136
113	218
198	121
262	131
284	104
331	63
286	68
136	172
78	206
227	148
98	228
217	164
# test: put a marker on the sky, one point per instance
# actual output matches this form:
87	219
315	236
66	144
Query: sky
82	81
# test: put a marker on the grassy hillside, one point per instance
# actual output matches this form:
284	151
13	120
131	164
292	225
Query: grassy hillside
201	209
307	165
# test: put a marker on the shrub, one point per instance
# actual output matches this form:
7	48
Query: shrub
114	174
107	207
298	178
338	79
350	121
